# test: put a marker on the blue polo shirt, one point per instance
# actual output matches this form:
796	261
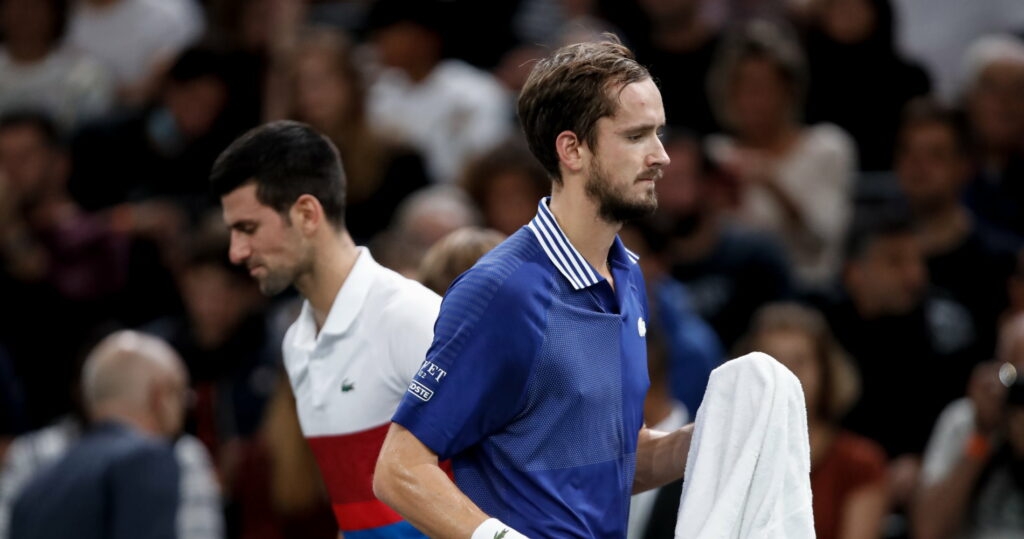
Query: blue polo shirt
534	384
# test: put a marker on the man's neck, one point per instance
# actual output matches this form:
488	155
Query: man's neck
334	262
591	235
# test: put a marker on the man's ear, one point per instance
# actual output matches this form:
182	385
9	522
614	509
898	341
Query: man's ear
306	213
570	151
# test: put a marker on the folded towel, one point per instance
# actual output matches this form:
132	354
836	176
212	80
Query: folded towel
748	470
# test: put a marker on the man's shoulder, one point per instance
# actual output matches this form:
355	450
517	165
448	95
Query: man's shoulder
516	266
392	293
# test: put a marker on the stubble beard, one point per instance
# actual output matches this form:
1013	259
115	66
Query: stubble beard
614	204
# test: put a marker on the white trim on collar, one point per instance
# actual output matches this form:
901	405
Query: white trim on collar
561	252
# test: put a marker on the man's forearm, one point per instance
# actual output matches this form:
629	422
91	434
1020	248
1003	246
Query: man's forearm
408	479
661	457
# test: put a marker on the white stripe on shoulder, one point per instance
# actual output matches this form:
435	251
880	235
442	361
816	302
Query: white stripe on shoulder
554	257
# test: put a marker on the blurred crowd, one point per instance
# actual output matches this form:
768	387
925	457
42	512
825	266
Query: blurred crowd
846	192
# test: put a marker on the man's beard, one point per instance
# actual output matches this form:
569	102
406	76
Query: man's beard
613	204
274	284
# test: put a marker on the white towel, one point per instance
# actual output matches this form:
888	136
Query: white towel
748	470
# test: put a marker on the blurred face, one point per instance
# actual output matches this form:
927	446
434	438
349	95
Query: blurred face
628	156
274	251
215	300
403	44
679	191
322	95
28	21
996	105
931	168
795	349
760	99
848	21
890	277
196	104
511	202
26	161
168	397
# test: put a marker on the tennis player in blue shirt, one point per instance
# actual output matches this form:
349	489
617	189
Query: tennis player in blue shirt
535	381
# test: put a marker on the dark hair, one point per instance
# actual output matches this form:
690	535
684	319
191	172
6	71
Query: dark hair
61	10
922	111
196	62
872	224
570	91
285	160
42	122
429	14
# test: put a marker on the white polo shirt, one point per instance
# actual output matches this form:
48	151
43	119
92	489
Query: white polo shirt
349	379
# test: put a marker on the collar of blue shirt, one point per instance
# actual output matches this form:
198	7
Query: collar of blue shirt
570	263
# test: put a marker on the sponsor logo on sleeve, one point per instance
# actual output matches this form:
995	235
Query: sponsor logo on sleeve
429	373
420	391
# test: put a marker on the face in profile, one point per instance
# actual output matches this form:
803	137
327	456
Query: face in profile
628	155
274	252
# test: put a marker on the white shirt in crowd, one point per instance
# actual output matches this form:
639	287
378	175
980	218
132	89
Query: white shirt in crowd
454	114
130	36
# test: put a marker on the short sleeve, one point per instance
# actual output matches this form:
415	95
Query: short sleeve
474	379
412	321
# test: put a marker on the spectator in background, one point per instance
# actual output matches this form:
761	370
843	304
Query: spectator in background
224	340
850	48
445	108
795	181
38	70
122	478
896	327
422	220
328	92
971	484
61	266
938	32
679	46
505	183
969	259
848	476
729	271
454	254
137	40
163	152
994	101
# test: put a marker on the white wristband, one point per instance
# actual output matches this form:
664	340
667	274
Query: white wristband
493	528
